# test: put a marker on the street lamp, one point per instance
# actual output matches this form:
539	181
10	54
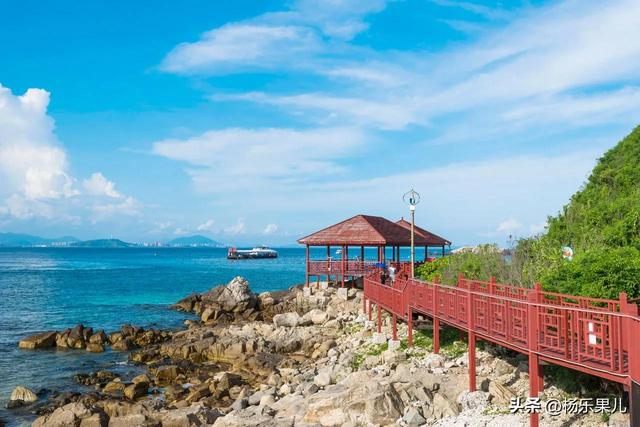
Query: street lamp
412	198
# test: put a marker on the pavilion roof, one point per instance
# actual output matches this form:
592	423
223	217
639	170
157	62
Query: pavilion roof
433	239
367	230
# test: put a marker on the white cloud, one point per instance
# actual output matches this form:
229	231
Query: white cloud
238	228
180	231
32	165
292	38
262	158
98	185
239	45
535	229
127	206
510	225
270	229
207	225
35	181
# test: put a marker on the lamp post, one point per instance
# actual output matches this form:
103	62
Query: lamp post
412	198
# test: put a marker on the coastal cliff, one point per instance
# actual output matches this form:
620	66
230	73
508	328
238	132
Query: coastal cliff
288	358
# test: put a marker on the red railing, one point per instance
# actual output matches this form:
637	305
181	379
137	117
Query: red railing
595	336
349	268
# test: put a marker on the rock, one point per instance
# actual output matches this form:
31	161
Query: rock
267	400
413	417
70	414
24	394
323	379
287	320
142	378
95	420
38	341
239	404
95	347
136	390
123	345
309	389
76	337
208	314
167	374
316	316
442	407
500	394
235	297
356	401
114	387
98	338
187	303
473	399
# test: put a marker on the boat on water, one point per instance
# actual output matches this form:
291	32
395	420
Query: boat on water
255	253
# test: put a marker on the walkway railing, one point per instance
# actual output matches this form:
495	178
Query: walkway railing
597	336
350	268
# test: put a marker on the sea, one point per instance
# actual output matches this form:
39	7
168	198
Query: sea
44	289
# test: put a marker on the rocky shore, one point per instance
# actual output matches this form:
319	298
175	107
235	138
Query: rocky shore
284	359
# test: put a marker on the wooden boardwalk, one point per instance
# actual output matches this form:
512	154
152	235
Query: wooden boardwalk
595	336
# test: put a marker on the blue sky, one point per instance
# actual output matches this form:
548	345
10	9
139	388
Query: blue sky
259	122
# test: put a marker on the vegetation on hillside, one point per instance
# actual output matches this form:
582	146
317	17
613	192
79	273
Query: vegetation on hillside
602	225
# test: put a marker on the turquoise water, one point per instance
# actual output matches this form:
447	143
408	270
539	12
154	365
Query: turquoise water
56	288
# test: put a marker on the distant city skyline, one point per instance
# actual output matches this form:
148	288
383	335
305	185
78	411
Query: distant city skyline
261	122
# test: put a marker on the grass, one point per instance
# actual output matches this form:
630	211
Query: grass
451	346
366	351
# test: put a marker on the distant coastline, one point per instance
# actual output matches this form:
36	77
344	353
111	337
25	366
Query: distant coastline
17	240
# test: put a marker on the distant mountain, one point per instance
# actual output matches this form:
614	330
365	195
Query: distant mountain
195	241
103	243
19	239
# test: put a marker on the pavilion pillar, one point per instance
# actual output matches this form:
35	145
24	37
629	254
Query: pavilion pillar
328	264
426	253
361	252
344	265
631	329
307	264
442	251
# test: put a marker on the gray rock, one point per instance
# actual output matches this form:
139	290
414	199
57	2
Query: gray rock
287	320
413	417
37	341
24	394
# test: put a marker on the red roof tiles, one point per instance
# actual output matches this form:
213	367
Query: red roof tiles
370	230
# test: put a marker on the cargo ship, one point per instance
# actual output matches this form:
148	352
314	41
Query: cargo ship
255	253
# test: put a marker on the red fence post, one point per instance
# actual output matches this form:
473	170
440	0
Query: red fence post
379	318
532	343
395	327
410	327
436	320
631	343
472	338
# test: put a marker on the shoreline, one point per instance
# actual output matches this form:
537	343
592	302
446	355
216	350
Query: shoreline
286	358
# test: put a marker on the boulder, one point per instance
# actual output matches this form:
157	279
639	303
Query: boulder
123	345
323	379
316	316
167	374
287	320
500	394
413	417
136	390
37	341
95	347
98	338
235	297
23	394
442	407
